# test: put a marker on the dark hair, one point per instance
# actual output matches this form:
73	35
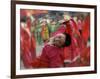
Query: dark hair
67	40
23	19
65	22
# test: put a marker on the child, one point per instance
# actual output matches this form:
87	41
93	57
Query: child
52	53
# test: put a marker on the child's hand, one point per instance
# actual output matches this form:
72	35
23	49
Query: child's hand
67	61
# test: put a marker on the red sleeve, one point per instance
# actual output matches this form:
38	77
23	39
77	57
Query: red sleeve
42	61
52	56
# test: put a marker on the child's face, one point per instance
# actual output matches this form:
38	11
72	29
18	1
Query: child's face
59	40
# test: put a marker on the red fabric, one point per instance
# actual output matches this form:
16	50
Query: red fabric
73	50
27	48
85	57
33	47
23	13
70	53
51	57
86	28
28	23
61	29
37	63
72	27
73	24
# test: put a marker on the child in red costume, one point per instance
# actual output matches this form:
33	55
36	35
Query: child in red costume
52	53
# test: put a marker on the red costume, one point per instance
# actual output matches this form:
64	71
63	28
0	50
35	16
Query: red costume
51	57
86	29
73	51
28	46
85	55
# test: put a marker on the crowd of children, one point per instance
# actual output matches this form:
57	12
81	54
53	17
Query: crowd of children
38	29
